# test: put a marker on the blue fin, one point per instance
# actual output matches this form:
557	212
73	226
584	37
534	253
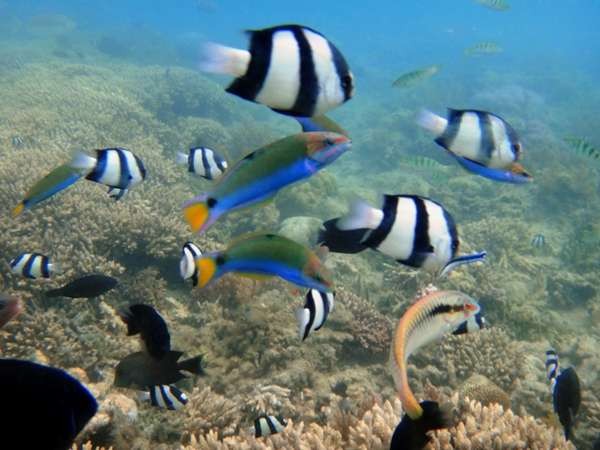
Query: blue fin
493	174
460	260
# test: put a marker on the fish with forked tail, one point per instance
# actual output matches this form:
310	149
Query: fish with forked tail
149	324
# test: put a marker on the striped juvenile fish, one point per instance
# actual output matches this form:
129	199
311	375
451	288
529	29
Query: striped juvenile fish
32	265
316	309
426	321
204	162
260	175
164	396
483	48
187	264
566	392
582	147
410	79
420	162
266	425
497	5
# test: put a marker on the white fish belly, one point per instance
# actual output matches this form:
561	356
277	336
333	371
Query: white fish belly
112	172
330	90
467	142
400	241
503	155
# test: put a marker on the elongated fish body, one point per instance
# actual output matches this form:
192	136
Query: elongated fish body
415	231
582	147
496	5
414	77
88	286
149	324
187	264
267	255
483	48
266	425
56	181
426	321
165	397
316	309
204	162
566	392
10	307
259	176
32	265
45	399
114	167
292	69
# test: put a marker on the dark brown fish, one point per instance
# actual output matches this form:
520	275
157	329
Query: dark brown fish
10	307
153	330
139	370
88	286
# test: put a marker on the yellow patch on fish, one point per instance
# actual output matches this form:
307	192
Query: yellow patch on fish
18	209
196	215
206	270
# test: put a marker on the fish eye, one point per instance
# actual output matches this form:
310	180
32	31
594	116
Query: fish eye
329	142
346	81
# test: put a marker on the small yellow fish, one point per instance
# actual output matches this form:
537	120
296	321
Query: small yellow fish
409	79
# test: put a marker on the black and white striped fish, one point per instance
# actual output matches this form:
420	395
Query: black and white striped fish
292	69
204	162
472	324
113	167
566	392
187	265
266	425
165	396
313	315
32	265
538	241
415	231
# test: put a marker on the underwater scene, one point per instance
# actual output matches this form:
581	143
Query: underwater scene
300	225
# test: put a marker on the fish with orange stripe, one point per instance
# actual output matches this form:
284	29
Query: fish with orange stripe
429	319
260	175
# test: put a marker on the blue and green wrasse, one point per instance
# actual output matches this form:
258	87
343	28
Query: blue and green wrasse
58	180
264	255
258	176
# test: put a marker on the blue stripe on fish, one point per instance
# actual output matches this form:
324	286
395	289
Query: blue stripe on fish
460	260
488	172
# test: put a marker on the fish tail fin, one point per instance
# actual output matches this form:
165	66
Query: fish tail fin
83	162
198	214
216	58
181	158
431	121
460	260
206	267
412	433
193	365
54	293
302	316
55	268
361	215
17	210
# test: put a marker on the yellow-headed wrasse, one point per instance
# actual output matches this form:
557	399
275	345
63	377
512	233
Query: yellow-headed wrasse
320	123
483	48
266	425
259	176
140	370
114	167
414	77
427	320
164	397
88	286
496	5
32	265
149	324
267	255
582	147
45	399
415	231
187	264
57	180
481	142
10	307
316	309
203	162
566	392
292	69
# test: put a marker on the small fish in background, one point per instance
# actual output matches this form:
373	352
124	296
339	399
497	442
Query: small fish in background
496	5
538	241
415	77
320	123
149	324
415	231
316	309
420	162
427	320
187	264
113	167
45	399
566	392
32	265
169	397
10	307
258	176
54	182
582	147
266	255
292	69
204	162
88	286
17	141
140	370
266	425
481	142
483	48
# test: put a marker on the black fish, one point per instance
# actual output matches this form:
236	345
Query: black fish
566	397
146	321
342	241
44	407
139	370
88	286
411	434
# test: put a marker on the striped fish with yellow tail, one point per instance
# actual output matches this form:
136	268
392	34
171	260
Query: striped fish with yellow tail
429	319
258	176
265	255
